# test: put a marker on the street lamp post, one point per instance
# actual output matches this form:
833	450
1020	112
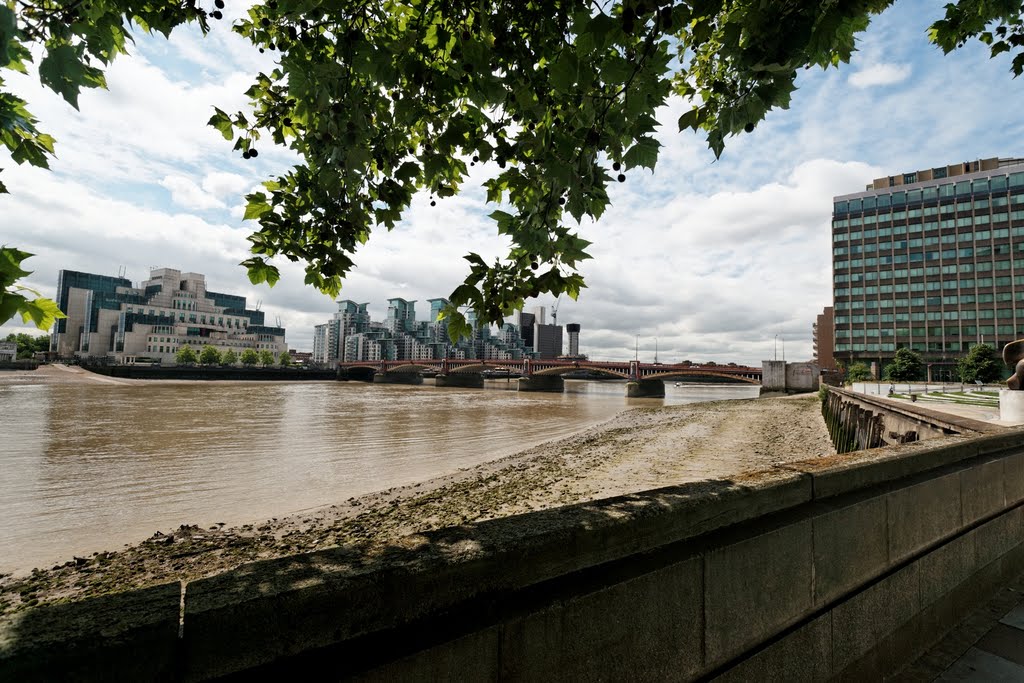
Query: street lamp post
655	350
776	347
636	348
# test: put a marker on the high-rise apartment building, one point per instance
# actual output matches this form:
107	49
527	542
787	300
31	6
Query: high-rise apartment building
931	260
824	344
329	339
574	338
547	340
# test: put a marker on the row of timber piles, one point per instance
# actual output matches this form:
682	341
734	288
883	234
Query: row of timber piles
851	426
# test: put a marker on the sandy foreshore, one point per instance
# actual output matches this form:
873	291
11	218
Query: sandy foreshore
639	449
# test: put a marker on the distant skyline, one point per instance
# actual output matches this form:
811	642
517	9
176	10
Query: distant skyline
711	258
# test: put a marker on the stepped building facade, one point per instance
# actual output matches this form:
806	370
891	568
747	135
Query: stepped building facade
108	317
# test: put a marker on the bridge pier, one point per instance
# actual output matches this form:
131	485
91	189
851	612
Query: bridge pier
397	378
468	380
542	383
645	388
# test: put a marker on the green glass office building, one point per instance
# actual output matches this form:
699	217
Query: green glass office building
931	260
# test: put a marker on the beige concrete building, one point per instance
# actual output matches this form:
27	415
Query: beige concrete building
109	318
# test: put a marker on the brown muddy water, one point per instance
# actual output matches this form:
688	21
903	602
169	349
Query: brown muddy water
91	466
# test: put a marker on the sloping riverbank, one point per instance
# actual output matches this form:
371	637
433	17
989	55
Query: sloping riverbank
640	449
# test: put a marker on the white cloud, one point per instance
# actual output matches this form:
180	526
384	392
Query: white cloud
188	195
880	74
227	185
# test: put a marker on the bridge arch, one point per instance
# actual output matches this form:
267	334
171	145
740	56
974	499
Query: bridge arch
699	373
567	369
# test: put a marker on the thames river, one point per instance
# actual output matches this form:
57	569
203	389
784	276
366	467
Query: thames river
89	467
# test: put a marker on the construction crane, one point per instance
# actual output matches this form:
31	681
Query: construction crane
554	312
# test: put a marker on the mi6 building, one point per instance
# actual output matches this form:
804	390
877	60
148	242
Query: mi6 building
107	317
930	260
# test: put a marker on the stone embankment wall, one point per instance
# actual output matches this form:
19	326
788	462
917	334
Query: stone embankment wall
199	372
845	566
860	421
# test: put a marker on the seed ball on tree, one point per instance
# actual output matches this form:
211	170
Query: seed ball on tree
622	178
219	4
253	152
749	128
616	166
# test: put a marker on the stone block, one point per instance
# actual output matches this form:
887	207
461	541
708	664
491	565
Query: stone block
803	656
130	636
1013	476
946	567
464	380
864	621
645	628
474	657
998	536
553	383
982	490
923	514
756	587
848	472
850	547
645	388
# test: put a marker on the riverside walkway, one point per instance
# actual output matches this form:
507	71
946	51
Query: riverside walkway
987	646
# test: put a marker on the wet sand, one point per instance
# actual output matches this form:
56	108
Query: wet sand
639	449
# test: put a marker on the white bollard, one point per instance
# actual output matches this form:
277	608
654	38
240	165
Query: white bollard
1011	406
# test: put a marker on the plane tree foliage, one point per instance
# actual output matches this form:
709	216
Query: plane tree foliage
384	99
981	363
906	366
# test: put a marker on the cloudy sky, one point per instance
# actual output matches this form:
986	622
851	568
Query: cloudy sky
723	260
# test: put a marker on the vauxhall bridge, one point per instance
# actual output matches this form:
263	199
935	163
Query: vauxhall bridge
644	379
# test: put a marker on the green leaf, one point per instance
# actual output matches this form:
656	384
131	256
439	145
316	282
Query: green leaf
63	71
10	265
260	271
9	305
644	153
564	71
257	206
222	122
42	312
8	31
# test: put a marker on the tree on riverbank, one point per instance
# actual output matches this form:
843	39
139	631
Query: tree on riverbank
28	345
250	357
906	366
266	358
858	372
229	358
209	355
186	355
285	359
981	363
381	99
